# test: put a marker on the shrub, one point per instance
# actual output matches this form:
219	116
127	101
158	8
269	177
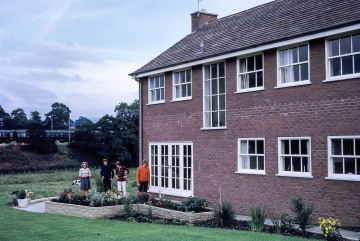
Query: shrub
284	225
97	200
330	229
110	198
128	210
142	197
224	212
21	194
258	217
302	213
192	204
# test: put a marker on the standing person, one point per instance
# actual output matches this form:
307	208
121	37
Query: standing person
121	177
107	174
143	176
84	174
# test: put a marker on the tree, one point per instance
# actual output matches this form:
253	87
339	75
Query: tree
16	121
3	116
35	117
38	141
82	120
58	117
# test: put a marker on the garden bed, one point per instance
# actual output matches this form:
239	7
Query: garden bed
118	210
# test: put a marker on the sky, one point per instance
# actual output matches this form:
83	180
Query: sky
80	52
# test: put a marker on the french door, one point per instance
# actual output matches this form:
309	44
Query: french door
171	168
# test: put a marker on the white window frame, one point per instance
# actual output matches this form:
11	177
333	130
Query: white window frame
156	88
204	97
330	78
279	67
246	73
189	97
345	177
281	172
181	192
242	154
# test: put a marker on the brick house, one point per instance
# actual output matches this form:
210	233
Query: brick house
264	103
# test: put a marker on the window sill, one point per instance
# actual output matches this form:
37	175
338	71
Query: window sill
249	90
344	178
307	175
213	128
261	173
345	77
183	99
156	103
293	84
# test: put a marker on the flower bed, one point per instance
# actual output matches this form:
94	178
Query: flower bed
112	211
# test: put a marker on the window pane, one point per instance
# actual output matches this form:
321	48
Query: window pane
183	91
161	94
347	65
296	72
251	64
259	79
214	87
177	78
304	147
243	147
245	161
293	55
188	89
207	87
304	71
336	147
285	147
261	163
253	164
258	60
287	164
338	165
156	81
177	91
357	63
260	147
152	95
188	75
208	119
222	118
305	163
358	165
357	147
335	67
251	147
295	147
296	164
349	165
214	119
334	47
207	72
303	53
221	102
162	81
356	43
214	71
244	83
282	75
221	69
207	103
284	57
242	66
221	85
345	45
215	103
252	80
348	147
182	77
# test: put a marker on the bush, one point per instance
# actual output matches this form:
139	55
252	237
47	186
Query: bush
110	198
224	213
258	217
97	200
284	225
142	197
302	213
192	204
330	228
21	194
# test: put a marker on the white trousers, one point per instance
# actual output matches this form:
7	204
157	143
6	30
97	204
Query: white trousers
122	187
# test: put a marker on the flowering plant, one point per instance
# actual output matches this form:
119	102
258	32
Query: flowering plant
22	194
330	228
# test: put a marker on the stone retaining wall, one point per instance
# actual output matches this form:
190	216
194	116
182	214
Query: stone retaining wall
111	211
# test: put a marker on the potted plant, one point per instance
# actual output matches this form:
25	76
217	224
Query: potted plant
23	198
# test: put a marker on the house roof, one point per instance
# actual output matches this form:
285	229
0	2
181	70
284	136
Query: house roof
265	24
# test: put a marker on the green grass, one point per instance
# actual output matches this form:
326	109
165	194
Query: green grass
21	225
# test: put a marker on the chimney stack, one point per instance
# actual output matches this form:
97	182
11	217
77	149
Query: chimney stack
199	19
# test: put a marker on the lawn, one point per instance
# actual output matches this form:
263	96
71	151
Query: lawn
22	225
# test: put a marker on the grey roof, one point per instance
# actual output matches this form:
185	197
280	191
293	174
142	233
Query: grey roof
268	23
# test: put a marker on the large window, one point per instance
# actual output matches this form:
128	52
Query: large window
295	156
344	57
293	66
251	157
251	73
214	95
171	168
182	85
344	157
157	89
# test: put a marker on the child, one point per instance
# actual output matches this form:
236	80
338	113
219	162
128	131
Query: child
121	177
143	176
107	174
84	174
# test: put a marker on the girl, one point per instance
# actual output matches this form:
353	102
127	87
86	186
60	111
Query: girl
85	175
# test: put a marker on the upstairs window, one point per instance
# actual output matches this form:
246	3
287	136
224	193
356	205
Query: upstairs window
344	158
344	57
157	89
251	73
182	85
293	66
214	95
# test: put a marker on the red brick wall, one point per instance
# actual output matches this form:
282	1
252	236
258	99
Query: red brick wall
317	110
